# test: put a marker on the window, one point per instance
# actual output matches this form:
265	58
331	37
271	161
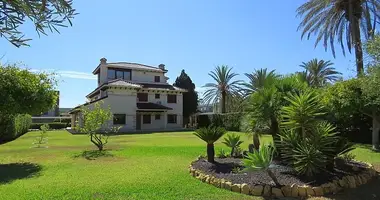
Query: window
98	78
157	96
157	117
110	74
146	119
172	119
118	119
142	96
118	74
156	78
172	98
127	75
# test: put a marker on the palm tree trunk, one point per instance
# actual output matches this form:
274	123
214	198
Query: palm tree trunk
375	132
223	102
355	33
256	141
210	153
273	177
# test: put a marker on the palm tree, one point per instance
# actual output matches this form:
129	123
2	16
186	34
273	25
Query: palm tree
258	79
318	73
224	86
233	141
210	135
339	19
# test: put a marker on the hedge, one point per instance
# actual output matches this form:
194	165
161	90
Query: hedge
14	126
229	121
53	125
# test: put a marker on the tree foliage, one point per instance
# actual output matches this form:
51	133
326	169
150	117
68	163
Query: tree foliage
319	73
233	141
190	98
44	14
25	92
259	79
210	135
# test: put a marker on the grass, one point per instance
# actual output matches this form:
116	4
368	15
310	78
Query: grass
146	166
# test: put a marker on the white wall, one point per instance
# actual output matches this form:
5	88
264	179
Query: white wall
147	76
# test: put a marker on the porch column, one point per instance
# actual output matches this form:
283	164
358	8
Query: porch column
165	116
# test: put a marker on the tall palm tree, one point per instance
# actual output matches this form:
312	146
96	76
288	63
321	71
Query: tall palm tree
224	86
258	79
318	73
336	19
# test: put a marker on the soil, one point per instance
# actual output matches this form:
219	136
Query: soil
231	169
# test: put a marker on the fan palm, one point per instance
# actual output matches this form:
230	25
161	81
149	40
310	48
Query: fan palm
336	19
233	141
318	73
261	160
258	79
210	135
224	86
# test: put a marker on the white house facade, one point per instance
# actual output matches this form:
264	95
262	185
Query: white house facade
138	95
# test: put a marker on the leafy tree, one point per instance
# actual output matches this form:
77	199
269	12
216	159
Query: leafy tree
210	135
94	121
42	137
319	73
223	87
233	141
190	98
261	160
44	14
25	92
259	79
339	19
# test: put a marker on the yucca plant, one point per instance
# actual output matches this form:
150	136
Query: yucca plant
233	141
210	135
261	160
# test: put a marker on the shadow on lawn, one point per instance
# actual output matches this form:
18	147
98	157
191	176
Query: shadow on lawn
13	171
93	154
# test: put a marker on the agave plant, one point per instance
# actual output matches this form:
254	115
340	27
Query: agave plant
261	160
210	135
233	141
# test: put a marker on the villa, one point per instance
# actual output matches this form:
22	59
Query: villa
138	95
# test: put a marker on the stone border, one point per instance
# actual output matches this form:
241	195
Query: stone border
289	190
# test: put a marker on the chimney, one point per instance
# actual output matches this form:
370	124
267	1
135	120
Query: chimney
103	61
161	66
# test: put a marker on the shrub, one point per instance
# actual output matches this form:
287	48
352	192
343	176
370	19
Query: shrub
53	125
233	141
42	138
14	126
210	135
222	154
203	121
229	121
260	160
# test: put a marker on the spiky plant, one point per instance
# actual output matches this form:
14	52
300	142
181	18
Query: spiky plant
259	79
233	141
320	72
210	135
223	86
341	20
261	160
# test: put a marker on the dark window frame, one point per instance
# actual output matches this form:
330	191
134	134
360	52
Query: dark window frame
157	117
170	100
119	123
119	70
145	94
157	79
144	118
174	119
157	96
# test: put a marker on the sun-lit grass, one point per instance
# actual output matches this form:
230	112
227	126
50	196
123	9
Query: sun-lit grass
144	166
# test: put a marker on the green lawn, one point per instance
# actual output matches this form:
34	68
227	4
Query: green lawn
146	166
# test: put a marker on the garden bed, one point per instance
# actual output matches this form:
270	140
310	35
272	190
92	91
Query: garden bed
229	171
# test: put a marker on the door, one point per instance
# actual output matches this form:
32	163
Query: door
138	121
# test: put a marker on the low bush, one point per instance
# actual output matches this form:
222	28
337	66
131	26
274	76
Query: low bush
229	121
14	126
53	125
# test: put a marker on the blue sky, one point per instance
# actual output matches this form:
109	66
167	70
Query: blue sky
194	35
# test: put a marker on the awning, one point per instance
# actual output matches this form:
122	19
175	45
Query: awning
152	107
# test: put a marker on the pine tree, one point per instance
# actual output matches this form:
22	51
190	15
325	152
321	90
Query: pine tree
190	98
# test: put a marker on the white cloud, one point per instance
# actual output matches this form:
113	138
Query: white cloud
68	74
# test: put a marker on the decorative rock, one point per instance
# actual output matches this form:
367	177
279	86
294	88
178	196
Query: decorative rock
257	190
310	191
358	180
276	192
343	183
287	191
302	191
207	179
236	188
244	188
318	191
222	183
326	188
267	191
216	182
351	181
295	191
227	185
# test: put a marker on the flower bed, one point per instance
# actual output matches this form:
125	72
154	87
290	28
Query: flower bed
225	174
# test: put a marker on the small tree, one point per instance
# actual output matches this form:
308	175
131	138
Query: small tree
190	98
233	141
42	137
95	123
210	135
